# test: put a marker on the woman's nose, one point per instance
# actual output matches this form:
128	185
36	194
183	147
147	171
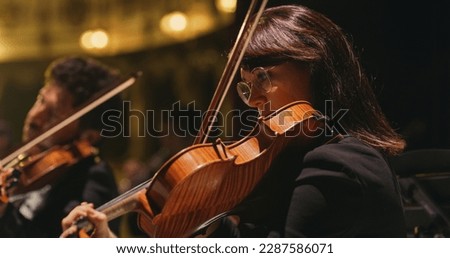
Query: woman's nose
257	99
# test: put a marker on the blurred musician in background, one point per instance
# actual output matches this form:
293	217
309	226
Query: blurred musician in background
69	83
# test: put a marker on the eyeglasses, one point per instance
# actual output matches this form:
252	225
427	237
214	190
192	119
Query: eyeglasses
261	80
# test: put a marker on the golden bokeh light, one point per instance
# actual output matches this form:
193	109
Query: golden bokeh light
32	31
174	22
226	6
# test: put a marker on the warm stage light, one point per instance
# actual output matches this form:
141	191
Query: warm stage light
174	22
118	28
94	39
226	6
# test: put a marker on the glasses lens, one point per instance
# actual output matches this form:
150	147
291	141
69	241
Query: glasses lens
244	91
262	80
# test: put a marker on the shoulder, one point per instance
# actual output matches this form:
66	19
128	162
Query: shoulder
100	184
344	151
92	169
99	165
94	165
348	159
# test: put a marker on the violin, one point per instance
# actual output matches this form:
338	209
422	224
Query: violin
204	182
21	173
33	172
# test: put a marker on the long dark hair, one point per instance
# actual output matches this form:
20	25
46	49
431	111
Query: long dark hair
299	34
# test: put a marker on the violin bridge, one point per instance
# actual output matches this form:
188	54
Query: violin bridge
222	151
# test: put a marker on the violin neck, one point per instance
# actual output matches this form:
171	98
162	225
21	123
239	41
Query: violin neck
127	202
133	200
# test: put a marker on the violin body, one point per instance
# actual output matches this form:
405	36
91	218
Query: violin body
47	167
208	180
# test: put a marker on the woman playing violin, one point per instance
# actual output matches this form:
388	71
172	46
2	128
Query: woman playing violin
69	82
343	186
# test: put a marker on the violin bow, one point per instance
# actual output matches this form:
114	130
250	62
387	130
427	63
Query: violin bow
235	58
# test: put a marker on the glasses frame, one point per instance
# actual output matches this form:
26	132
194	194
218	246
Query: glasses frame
249	85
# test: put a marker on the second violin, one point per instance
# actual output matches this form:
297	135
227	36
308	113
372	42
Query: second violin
34	172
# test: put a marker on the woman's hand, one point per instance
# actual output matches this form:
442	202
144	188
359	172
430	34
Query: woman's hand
86	211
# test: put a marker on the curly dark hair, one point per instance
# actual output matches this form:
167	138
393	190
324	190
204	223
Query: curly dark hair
84	77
